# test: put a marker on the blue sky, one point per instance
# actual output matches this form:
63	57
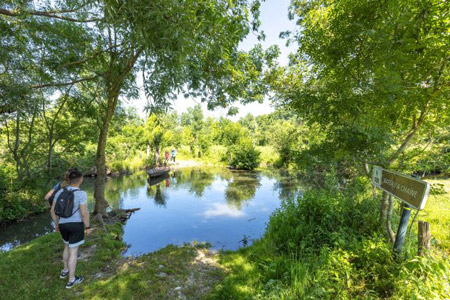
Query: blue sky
274	19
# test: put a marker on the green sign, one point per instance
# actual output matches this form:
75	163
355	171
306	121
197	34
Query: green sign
410	190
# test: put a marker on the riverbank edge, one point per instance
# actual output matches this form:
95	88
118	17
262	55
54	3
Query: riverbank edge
186	272
31	270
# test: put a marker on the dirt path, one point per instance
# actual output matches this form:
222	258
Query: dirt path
187	164
185	272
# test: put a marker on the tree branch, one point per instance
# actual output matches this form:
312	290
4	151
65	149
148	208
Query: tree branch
55	84
410	135
97	53
47	14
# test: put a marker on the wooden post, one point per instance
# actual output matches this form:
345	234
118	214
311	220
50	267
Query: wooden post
424	235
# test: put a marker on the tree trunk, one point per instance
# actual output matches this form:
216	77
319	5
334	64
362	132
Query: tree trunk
384	207
148	151
114	81
157	156
50	156
389	218
16	148
51	130
100	160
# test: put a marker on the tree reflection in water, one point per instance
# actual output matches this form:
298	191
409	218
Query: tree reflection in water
195	180
155	191
227	200
115	187
160	198
241	188
287	184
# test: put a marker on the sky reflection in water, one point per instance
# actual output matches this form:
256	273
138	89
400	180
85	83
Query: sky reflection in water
214	205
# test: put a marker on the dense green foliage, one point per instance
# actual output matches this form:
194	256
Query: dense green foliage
368	85
327	245
374	76
135	143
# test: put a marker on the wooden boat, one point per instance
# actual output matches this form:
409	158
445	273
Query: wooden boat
156	172
155	180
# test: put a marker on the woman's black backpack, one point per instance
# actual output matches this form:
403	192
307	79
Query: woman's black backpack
52	197
64	203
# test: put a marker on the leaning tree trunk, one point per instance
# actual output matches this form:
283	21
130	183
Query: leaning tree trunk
390	209
384	207
100	161
114	82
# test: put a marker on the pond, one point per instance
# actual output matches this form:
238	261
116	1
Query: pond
225	208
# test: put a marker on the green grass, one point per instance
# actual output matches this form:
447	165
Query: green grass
328	246
31	271
437	213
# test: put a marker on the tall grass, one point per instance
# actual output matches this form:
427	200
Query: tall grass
329	245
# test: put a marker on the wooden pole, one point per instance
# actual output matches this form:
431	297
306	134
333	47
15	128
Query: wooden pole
424	236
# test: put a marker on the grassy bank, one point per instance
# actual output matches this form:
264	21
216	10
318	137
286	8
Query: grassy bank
437	213
31	271
329	246
173	272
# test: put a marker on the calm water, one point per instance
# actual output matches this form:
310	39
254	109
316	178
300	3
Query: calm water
214	205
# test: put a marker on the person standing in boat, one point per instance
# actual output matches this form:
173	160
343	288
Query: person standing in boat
173	154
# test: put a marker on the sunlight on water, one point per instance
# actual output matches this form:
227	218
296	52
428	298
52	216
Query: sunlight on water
218	206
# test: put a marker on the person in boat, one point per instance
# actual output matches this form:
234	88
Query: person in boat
166	157
173	154
51	194
70	214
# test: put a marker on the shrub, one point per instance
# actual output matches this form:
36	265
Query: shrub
18	199
437	189
320	219
327	246
244	155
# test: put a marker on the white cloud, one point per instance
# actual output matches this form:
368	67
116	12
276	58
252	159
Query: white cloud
223	210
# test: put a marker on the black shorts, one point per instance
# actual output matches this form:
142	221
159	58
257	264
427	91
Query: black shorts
72	233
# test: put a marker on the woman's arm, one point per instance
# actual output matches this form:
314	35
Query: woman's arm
54	216
49	194
85	216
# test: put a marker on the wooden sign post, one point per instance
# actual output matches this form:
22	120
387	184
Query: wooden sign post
413	192
424	237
